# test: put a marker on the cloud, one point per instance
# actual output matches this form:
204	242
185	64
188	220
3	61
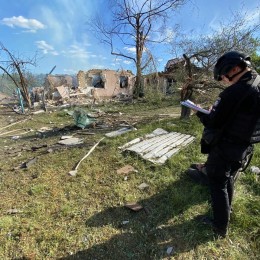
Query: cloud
32	25
46	48
130	49
57	29
127	61
77	51
67	22
164	36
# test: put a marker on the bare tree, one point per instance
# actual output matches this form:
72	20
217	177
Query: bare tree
134	24
255	58
15	68
204	50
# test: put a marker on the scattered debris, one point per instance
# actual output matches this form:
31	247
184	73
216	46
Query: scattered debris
125	222
63	92
156	132
134	206
13	211
143	186
74	172
158	146
44	129
28	163
82	118
14	150
255	169
15	137
38	111
120	131
71	141
170	250
37	147
126	169
85	133
66	137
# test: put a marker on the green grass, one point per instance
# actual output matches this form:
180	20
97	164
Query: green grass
65	217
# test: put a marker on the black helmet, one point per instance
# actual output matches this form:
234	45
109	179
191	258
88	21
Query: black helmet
228	61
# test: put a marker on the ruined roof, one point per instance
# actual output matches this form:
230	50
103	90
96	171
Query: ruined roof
58	80
127	72
173	62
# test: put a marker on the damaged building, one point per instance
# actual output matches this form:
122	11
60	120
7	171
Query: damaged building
165	81
54	84
106	83
171	67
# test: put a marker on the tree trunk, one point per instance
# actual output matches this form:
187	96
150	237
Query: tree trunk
185	112
187	89
186	93
138	91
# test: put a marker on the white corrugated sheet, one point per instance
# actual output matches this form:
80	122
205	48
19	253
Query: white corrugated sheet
158	146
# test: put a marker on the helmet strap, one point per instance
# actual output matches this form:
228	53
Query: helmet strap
230	78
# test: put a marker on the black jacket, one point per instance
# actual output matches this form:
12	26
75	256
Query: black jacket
236	110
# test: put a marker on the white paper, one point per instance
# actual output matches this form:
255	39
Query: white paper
190	104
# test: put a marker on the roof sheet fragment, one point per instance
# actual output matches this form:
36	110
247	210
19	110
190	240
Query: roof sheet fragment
158	146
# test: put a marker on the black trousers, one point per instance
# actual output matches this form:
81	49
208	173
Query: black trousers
221	172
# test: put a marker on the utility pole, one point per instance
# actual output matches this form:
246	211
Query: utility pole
43	94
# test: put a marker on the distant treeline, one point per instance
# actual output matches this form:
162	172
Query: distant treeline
7	86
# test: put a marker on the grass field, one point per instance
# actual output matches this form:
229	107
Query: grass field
47	214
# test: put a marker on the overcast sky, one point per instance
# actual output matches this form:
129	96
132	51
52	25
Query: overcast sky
57	31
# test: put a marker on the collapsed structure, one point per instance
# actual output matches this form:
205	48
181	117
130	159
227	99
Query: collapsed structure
106	83
59	85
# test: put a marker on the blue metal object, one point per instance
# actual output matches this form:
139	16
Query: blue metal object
20	99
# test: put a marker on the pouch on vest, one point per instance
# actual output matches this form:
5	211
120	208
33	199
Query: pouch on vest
210	137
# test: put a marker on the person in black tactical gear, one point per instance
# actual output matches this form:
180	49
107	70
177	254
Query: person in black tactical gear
233	126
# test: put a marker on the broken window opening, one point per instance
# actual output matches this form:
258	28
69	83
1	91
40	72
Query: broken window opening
97	81
123	81
170	88
152	82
